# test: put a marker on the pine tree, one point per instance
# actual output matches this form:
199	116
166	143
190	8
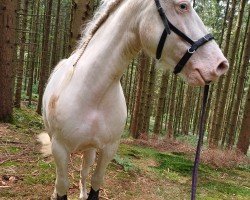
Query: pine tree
150	94
44	72
55	42
7	54
170	131
35	49
137	110
232	60
244	137
81	11
22	60
222	94
160	104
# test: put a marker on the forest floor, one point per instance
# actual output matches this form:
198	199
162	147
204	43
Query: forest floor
142	170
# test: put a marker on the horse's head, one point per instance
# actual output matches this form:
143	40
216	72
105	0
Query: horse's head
205	65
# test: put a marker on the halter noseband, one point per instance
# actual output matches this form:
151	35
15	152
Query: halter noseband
167	31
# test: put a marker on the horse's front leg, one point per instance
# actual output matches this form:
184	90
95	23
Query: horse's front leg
87	162
61	156
106	155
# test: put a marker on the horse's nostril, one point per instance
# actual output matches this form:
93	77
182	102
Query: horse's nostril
222	68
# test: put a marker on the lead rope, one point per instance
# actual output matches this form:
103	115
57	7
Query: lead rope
200	142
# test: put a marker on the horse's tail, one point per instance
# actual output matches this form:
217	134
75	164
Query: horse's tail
44	139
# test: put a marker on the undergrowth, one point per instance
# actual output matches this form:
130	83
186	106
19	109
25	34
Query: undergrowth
27	120
216	183
140	170
125	163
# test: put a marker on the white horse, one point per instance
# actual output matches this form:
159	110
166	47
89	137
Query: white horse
84	107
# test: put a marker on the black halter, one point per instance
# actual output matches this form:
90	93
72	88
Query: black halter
167	31
194	46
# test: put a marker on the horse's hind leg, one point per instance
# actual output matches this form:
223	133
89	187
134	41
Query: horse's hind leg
61	156
106	155
87	162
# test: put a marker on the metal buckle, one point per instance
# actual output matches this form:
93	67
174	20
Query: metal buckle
191	52
159	8
207	39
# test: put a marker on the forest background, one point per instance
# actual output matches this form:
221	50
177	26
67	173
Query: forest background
37	34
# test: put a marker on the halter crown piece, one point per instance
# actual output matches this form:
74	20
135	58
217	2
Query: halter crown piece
167	31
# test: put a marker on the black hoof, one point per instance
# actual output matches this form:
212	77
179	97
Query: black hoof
93	195
62	198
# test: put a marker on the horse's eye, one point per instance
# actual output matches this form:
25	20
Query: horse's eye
183	6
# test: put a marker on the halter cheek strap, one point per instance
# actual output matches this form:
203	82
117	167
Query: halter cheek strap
161	44
191	51
167	31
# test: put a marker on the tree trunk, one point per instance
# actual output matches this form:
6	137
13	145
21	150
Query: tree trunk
150	94
160	105
244	137
180	105
232	58
7	53
20	68
224	23
144	95
54	50
221	99
35	51
243	141
170	131
31	45
44	71
133	95
186	111
80	14
130	88
138	99
229	29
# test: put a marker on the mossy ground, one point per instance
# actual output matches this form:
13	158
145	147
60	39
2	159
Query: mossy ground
137	172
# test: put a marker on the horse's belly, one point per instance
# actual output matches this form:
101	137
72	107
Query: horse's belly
97	131
94	130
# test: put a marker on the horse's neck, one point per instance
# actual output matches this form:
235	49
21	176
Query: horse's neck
111	49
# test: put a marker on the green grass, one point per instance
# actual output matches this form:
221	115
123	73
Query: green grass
125	163
41	172
226	188
174	163
10	164
178	169
13	150
27	120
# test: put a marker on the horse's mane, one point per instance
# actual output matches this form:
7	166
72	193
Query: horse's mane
100	16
